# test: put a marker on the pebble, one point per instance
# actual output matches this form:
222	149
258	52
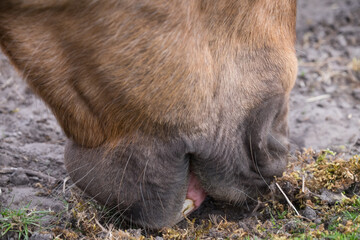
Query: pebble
19	178
330	89
41	236
356	93
331	197
318	221
291	226
4	180
354	52
312	54
135	232
344	104
309	213
58	207
342	41
335	53
5	159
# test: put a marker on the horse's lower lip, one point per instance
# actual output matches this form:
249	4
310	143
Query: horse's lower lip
195	193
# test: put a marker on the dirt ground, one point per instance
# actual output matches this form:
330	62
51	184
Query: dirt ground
325	111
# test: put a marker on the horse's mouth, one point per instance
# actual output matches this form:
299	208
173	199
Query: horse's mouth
195	195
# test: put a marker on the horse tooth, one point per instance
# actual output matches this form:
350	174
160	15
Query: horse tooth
188	206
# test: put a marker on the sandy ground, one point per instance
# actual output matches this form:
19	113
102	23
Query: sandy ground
325	109
325	101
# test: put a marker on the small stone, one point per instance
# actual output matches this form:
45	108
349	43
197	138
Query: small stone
356	93
135	232
41	236
9	236
330	89
19	178
5	160
331	197
317	221
335	53
354	52
309	213
342	41
344	104
4	180
312	54
58	207
291	226
323	56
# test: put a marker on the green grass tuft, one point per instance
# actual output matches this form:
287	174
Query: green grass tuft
21	221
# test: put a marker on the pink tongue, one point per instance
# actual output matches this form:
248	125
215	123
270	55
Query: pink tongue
195	192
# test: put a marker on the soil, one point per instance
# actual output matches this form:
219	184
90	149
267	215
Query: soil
325	111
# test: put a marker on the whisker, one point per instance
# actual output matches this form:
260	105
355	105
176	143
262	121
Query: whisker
123	174
242	193
142	195
120	214
85	175
87	185
253	158
161	203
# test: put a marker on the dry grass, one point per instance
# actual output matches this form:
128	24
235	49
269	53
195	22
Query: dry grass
322	187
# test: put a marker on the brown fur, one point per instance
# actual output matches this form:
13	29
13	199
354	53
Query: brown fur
128	71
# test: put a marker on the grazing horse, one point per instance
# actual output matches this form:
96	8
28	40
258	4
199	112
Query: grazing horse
163	102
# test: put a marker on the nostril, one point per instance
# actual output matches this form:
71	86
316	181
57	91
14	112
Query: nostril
269	156
278	143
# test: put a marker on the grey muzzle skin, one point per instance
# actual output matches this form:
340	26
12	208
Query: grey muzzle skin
147	181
